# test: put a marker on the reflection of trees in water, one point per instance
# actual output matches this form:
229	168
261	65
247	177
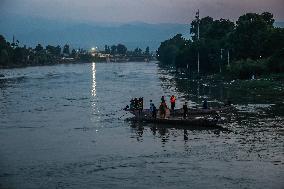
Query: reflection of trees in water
3	84
194	90
214	90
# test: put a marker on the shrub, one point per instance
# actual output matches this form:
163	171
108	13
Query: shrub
276	62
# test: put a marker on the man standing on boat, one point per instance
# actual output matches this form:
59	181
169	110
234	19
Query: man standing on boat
173	102
185	110
163	109
163	99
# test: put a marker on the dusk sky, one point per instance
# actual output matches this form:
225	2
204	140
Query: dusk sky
150	11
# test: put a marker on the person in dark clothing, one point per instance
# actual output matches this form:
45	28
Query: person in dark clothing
185	110
205	104
154	113
163	99
163	109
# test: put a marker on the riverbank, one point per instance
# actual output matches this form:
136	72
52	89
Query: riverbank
267	90
63	61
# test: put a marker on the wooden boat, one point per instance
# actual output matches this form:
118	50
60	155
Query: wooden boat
213	111
193	121
175	119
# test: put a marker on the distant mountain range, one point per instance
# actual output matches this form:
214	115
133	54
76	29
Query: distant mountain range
31	31
279	24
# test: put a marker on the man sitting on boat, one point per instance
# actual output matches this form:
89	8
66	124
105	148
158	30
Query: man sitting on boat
153	109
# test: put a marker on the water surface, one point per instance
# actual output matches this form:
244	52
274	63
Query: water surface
61	127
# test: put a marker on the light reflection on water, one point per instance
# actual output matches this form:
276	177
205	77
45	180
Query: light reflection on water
94	79
62	127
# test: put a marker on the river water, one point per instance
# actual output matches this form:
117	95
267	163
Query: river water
61	127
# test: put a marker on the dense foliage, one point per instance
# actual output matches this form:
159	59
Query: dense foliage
251	46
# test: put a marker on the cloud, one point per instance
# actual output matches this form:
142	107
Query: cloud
180	11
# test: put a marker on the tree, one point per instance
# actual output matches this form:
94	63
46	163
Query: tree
274	42
147	51
137	51
38	48
4	52
169	49
4	57
121	49
113	50
252	30
204	24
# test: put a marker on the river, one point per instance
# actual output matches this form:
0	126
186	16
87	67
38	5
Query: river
61	127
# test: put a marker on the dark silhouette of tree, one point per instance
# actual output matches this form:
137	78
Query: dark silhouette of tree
252	43
147	51
113	49
121	49
252	30
38	48
137	52
169	49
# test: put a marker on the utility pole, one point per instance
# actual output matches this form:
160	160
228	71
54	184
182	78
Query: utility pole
220	62
228	57
197	17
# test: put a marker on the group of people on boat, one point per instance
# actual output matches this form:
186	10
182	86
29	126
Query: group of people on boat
136	105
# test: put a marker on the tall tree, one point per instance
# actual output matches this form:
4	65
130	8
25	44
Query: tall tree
168	49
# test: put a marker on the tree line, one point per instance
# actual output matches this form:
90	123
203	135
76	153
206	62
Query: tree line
251	46
13	55
121	49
